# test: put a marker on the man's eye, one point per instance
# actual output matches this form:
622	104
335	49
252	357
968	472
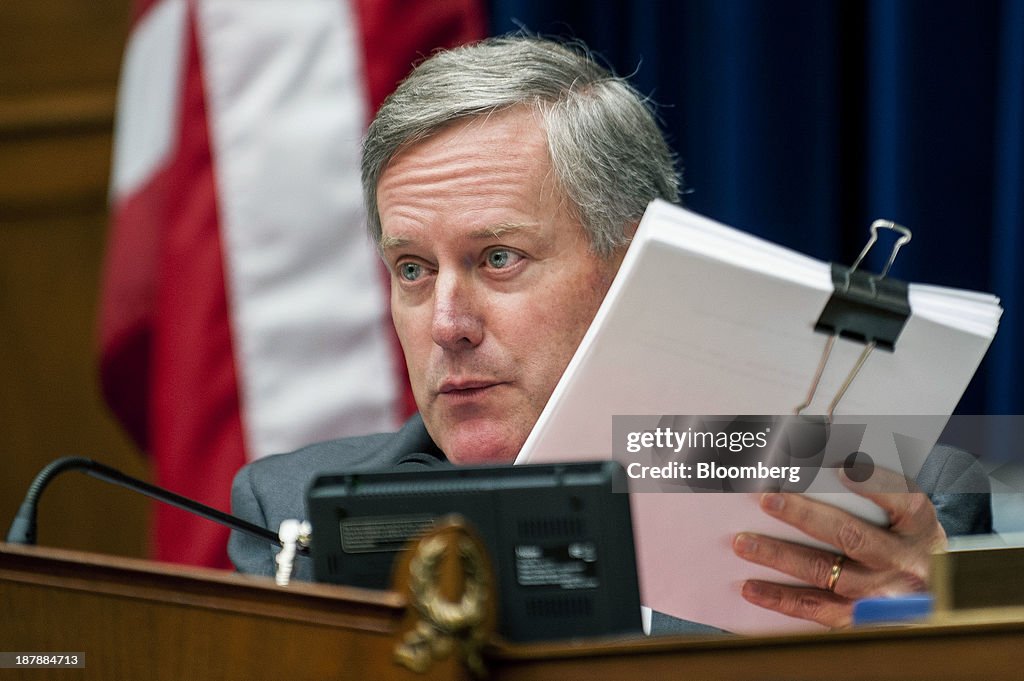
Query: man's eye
500	258
410	271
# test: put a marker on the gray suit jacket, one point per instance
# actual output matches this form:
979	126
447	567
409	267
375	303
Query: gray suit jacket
273	489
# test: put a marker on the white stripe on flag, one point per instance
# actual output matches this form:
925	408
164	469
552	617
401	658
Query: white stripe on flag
287	111
148	96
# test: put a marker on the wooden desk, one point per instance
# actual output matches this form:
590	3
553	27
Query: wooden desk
136	619
992	650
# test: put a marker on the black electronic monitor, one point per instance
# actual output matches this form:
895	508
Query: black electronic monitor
561	540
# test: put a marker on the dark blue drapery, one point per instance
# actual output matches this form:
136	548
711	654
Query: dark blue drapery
803	120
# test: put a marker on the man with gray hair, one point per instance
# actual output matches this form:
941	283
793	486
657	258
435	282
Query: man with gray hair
503	181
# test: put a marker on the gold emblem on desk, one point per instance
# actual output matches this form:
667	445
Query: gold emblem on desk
445	622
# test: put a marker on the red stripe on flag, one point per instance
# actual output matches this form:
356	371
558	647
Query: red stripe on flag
195	415
397	35
140	7
126	311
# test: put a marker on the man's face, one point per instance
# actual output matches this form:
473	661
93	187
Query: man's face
493	281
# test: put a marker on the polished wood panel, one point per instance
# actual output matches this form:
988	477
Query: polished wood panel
60	44
57	96
140	620
137	619
951	652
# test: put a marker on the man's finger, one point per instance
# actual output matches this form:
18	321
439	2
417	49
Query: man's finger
863	542
815	605
809	565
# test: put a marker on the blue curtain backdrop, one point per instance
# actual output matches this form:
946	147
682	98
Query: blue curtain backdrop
803	120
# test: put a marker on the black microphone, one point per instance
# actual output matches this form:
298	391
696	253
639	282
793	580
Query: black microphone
23	528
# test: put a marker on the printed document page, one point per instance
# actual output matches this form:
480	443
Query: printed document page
705	320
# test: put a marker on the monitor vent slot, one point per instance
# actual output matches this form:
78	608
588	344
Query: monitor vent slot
560	607
545	528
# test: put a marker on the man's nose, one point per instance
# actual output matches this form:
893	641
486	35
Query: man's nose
457	324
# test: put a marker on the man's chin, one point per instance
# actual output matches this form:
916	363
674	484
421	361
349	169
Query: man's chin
482	449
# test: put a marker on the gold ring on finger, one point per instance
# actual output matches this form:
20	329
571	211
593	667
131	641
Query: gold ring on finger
833	575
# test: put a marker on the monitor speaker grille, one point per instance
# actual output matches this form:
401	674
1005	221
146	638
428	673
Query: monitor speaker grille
559	607
545	528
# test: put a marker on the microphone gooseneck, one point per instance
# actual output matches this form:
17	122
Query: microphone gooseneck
23	528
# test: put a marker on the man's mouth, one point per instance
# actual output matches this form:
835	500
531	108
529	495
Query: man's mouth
466	388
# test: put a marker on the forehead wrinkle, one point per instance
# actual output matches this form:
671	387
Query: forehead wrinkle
447	168
436	159
498	230
414	191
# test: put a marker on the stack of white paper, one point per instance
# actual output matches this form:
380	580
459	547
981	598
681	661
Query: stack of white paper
704	319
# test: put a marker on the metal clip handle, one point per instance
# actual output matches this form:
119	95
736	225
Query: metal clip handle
884	224
905	237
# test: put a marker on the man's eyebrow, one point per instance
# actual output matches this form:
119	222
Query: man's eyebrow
501	229
388	242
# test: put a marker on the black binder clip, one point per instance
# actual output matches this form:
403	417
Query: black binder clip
869	308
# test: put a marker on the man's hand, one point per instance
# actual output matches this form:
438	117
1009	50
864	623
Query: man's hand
868	561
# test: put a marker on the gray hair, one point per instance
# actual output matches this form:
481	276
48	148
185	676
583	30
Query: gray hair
606	150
